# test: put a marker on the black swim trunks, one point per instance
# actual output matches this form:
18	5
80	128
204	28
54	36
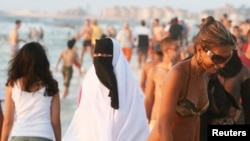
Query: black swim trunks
86	43
143	43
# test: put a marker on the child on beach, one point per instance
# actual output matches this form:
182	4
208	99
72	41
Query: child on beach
70	58
32	104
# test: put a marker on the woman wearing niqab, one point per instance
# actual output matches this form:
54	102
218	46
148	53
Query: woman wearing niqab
111	106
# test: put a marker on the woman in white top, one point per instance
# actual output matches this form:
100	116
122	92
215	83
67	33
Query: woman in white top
32	105
125	39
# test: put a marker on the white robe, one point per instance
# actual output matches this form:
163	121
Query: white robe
96	120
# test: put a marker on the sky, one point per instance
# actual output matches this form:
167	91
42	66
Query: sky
95	6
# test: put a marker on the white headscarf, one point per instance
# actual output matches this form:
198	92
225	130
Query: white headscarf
96	120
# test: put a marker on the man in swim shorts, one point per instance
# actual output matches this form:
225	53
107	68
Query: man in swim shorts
70	58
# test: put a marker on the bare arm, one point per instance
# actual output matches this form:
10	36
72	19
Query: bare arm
9	114
170	94
1	119
163	34
143	79
55	117
130	35
79	35
149	93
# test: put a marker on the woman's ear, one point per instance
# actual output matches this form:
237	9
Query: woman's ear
198	48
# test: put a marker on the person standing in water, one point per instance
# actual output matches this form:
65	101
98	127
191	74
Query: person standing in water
14	38
70	58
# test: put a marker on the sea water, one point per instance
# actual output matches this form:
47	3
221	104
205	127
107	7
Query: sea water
56	34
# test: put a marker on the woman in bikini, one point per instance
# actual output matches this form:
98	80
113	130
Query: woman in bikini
184	95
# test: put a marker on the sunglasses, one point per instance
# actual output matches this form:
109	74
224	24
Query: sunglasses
217	59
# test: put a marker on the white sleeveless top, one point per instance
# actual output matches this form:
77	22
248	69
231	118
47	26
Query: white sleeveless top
32	113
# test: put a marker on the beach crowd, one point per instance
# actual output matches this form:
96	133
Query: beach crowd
186	83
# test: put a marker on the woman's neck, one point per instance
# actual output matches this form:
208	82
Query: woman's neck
199	70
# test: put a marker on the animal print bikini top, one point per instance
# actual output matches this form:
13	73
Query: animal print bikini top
186	107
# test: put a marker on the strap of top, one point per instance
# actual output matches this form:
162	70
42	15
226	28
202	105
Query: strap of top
17	84
189	74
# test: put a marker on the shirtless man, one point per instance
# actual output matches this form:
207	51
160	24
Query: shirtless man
171	56
86	34
157	58
70	58
14	38
157	34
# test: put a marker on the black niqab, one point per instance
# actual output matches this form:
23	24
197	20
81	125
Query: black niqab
104	69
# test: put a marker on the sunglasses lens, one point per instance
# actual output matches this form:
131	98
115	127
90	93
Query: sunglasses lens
217	59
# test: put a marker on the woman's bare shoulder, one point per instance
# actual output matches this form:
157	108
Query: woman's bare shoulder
181	67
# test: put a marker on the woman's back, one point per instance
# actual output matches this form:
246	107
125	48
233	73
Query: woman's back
32	112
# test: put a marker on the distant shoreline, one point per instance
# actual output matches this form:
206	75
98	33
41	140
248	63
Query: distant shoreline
123	13
68	17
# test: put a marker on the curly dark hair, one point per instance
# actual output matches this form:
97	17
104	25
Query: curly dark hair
32	65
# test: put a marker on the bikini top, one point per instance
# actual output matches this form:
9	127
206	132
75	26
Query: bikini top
185	107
